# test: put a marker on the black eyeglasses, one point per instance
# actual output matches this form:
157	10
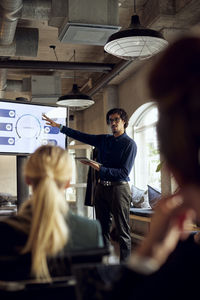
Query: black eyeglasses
110	121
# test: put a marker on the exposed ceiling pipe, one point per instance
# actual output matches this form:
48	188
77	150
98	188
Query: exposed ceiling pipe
10	13
11	45
20	41
49	65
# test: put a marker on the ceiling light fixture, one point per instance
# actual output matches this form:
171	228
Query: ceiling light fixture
136	41
75	100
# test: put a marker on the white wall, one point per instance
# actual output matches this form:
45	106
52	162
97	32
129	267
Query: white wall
133	92
8	175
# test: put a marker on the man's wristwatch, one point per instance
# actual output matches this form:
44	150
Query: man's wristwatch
60	127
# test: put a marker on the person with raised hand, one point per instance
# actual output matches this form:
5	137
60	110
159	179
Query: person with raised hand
116	156
166	263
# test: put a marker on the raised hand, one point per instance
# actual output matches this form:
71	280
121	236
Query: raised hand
167	227
50	121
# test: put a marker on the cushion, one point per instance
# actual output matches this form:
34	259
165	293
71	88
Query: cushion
148	212
153	195
5	198
139	198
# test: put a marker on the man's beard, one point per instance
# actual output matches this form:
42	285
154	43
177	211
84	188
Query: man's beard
114	129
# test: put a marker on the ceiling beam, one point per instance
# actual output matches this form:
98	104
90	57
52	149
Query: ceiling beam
105	79
49	65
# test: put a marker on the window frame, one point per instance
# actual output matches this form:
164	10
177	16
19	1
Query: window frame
168	184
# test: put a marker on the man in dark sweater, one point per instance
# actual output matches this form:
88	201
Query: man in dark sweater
116	155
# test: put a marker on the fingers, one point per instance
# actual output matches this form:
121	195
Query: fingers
186	223
91	164
170	204
48	120
171	222
84	162
44	117
169	213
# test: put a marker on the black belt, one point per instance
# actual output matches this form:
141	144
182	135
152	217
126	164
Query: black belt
110	183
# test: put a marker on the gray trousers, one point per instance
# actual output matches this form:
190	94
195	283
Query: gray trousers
114	201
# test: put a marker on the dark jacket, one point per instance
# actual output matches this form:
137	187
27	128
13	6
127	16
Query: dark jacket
116	154
85	234
92	180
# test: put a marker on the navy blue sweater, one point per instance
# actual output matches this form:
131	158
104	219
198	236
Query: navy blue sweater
116	154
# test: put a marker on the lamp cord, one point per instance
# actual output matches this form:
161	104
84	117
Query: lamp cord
54	50
74	70
73	56
134	3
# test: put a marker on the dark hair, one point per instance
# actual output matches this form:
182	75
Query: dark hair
175	84
121	112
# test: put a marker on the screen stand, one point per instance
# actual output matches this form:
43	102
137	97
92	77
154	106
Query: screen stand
22	187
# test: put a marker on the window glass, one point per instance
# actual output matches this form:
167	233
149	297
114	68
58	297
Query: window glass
148	157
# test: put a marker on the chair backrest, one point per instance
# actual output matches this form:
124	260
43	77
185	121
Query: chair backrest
92	255
15	282
60	288
17	267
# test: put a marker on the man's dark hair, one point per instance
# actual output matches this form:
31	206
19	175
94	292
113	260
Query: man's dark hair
121	112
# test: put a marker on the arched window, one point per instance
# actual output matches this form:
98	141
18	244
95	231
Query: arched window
142	128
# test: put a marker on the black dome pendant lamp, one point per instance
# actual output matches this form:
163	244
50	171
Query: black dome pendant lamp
136	41
75	100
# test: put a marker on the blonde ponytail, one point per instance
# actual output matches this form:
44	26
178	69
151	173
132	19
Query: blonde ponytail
48	170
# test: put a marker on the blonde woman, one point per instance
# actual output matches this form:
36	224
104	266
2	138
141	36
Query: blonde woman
44	226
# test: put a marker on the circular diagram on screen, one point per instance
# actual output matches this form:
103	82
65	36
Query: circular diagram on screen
28	126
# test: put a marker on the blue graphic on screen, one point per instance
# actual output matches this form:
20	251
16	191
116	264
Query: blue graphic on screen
7	140
22	129
51	130
7	113
6	126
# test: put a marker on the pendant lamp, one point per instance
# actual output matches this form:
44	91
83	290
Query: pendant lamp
135	42
75	100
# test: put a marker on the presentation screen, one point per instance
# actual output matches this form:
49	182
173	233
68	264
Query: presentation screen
22	129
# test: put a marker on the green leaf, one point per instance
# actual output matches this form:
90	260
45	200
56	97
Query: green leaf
159	166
